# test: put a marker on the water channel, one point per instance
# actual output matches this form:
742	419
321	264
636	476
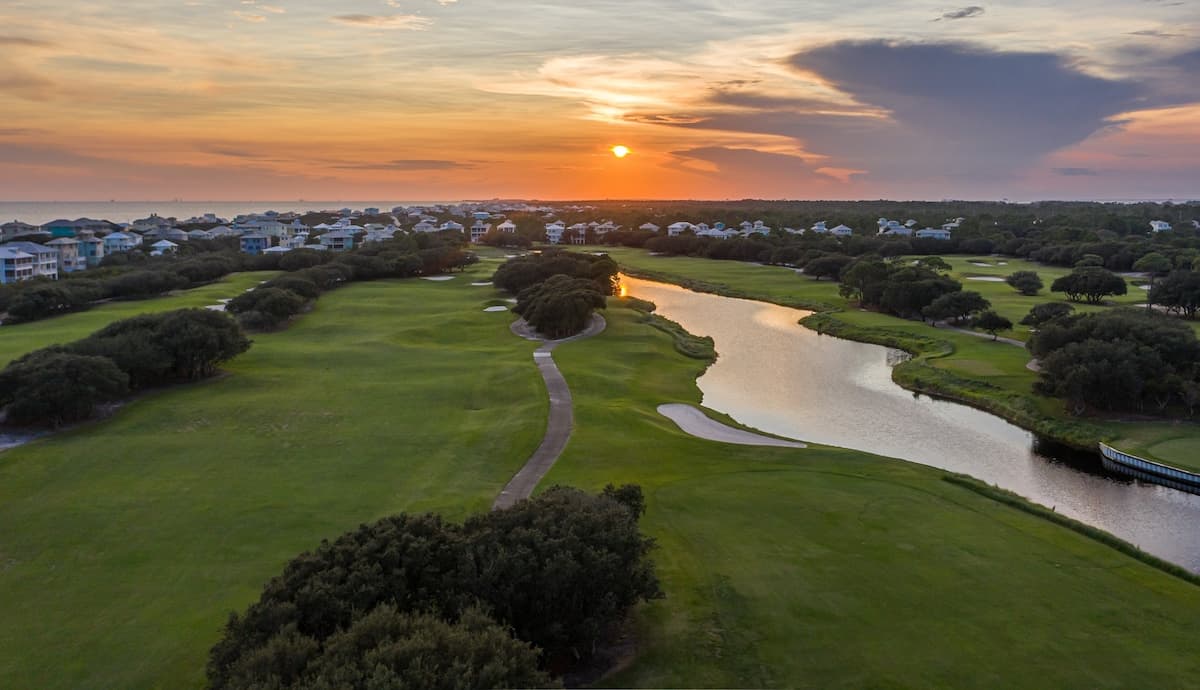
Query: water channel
775	375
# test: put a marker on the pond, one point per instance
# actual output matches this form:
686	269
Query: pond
775	375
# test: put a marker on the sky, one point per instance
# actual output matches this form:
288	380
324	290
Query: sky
717	99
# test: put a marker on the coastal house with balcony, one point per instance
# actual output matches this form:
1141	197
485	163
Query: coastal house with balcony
69	259
337	240
163	247
478	230
45	259
1159	226
91	248
933	234
121	242
15	265
554	231
17	229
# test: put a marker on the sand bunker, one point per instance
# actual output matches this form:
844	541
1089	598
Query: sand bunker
986	279
438	279
483	284
695	423
495	309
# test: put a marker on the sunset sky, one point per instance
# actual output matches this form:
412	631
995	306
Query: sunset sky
455	99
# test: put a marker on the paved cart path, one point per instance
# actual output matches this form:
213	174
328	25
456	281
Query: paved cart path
562	417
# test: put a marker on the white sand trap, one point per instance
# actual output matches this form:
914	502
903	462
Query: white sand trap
215	307
511	300
1144	287
979	263
438	279
986	279
483	284
695	423
495	309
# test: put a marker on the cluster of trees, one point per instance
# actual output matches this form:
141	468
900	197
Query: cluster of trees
66	383
1028	283
559	306
1121	359
412	601
901	288
1178	293
558	291
1090	283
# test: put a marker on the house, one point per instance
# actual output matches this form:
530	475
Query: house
481	215
200	235
507	226
448	225
426	226
379	234
254	243
17	229
606	227
163	247
223	231
272	228
1159	226
679	228
933	234
910	223
478	230
649	227
121	242
60	228
174	235
841	231
819	227
370	211
554	232
277	250
15	265
151	222
45	259
91	249
69	260
757	228
894	227
338	240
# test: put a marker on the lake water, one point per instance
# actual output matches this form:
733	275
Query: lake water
778	376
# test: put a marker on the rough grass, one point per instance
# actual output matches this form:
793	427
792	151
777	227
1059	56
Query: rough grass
19	339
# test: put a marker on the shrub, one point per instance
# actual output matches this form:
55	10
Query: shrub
52	387
1025	282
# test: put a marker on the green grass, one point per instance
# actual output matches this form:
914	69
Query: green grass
20	339
124	544
831	568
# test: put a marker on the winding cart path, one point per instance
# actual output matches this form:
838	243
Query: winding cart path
562	416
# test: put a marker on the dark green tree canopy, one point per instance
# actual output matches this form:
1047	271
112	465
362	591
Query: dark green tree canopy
993	323
1044	313
956	306
1025	282
1090	283
560	306
53	387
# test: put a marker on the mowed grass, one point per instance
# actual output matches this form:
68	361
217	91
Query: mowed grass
827	568
972	357
19	339
125	544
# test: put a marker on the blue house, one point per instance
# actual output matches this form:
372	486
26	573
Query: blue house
255	244
61	228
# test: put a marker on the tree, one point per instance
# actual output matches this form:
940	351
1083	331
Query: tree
1045	313
827	266
387	648
1090	283
1025	282
935	263
1090	260
864	281
956	306
522	272
993	323
561	306
560	570
1179	292
1153	263
51	387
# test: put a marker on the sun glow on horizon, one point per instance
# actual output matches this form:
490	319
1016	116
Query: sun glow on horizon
620	151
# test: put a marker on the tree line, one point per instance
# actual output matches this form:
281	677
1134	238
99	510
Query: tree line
507	599
67	383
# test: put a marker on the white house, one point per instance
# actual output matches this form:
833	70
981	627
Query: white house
338	240
554	231
841	231
649	226
507	226
1196	224
677	228
15	265
121	242
16	229
448	225
757	228
426	226
379	235
45	259
478	230
163	247
199	235
894	227
819	227
933	234
1159	225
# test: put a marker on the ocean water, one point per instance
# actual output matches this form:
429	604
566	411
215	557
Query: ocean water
38	212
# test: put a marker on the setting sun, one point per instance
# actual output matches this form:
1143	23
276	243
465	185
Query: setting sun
620	151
